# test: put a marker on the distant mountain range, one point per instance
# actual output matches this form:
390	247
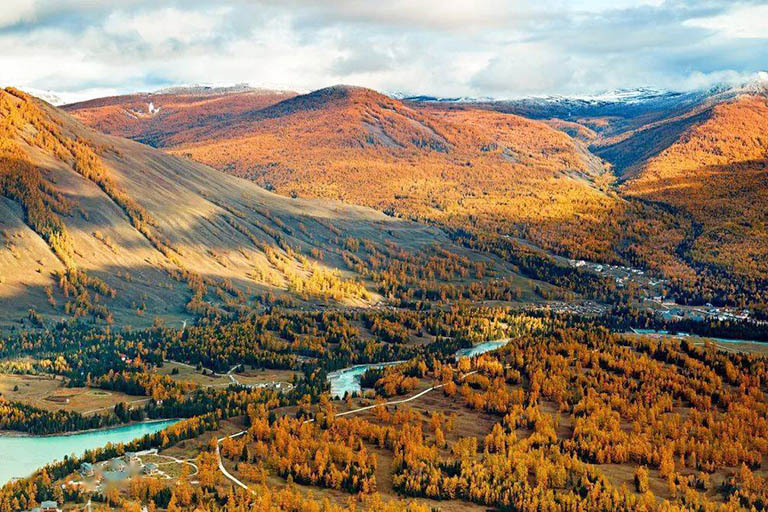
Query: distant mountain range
619	95
758	84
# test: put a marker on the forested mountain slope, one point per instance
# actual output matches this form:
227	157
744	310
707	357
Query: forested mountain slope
701	157
106	228
559	182
716	171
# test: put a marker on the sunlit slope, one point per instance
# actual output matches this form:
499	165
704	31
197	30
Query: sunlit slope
106	228
698	157
717	172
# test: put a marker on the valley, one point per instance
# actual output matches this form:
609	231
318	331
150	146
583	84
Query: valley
344	301
573	177
350	256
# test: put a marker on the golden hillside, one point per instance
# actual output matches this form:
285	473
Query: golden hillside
98	226
716	172
150	118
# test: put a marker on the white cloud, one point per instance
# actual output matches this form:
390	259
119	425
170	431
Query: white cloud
161	25
442	47
15	11
434	14
741	23
610	5
525	68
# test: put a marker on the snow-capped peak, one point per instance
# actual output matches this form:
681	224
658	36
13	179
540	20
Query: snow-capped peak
623	95
637	95
49	96
758	84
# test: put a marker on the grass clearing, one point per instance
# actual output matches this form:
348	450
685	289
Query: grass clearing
51	394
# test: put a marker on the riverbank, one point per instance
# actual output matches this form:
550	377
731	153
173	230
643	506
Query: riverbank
24	454
347	380
18	433
692	335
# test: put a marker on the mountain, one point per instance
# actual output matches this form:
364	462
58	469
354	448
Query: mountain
613	112
603	112
109	229
705	157
460	167
563	173
700	154
152	117
632	140
715	170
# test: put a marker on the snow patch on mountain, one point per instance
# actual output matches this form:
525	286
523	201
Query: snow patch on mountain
49	96
213	89
638	95
758	84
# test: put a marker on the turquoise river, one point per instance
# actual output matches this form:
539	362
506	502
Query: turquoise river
348	379
22	455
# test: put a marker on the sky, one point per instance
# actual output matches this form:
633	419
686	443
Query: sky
480	48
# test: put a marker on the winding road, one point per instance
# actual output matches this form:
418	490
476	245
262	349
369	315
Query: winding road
345	413
337	415
221	465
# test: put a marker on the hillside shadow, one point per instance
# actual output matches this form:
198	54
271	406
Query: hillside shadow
644	143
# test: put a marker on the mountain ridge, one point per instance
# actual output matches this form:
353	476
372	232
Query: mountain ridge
563	183
103	227
149	117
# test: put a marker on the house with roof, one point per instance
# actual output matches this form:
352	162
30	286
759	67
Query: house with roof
150	469
116	465
86	469
49	506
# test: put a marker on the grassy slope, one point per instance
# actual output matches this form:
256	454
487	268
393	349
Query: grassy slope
189	204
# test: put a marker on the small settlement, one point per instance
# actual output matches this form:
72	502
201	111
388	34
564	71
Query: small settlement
119	469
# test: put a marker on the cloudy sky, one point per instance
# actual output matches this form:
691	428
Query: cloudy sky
85	48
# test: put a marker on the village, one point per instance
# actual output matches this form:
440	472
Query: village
672	311
622	275
117	472
96	478
654	299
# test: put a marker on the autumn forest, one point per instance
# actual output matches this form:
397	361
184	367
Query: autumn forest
344	301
